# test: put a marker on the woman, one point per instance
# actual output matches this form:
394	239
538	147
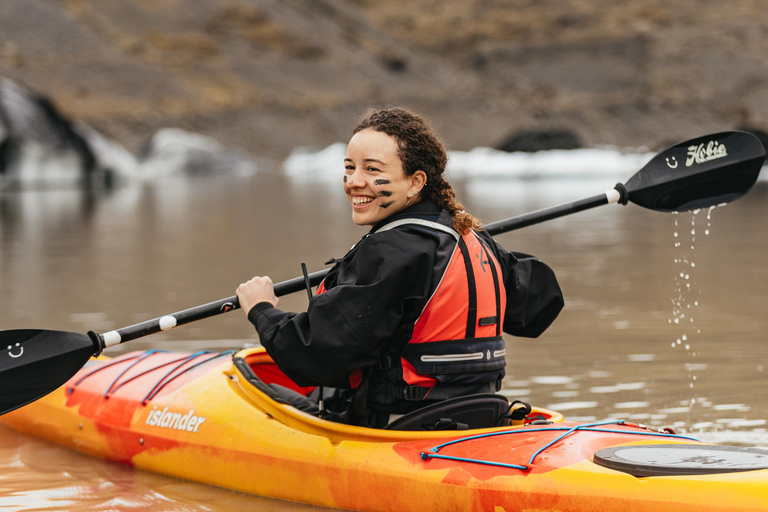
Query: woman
413	313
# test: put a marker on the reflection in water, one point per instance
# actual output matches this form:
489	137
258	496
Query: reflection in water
75	262
41	476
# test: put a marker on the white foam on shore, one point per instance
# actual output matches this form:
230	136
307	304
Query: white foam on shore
494	164
491	163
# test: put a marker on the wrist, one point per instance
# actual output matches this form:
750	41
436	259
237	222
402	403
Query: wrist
256	309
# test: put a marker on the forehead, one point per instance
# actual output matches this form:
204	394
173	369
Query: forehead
370	143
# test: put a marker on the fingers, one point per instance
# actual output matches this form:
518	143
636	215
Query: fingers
256	290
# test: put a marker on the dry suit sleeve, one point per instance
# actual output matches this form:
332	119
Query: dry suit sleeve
346	327
534	298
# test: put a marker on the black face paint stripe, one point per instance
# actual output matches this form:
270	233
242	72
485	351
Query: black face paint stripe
386	205
385	193
345	178
381	182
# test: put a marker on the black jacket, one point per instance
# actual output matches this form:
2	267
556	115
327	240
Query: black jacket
381	285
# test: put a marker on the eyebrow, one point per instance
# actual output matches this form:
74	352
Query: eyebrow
368	160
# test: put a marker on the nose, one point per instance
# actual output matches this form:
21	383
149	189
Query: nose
353	179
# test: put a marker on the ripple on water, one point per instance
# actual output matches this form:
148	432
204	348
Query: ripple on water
740	422
731	407
515	393
675	410
755	438
628	386
631	405
570	406
552	379
641	357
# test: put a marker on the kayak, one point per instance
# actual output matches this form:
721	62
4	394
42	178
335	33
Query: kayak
209	417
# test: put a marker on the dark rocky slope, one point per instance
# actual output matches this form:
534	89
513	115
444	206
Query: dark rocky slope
269	75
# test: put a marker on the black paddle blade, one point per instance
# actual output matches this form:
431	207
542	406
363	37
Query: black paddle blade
34	362
699	173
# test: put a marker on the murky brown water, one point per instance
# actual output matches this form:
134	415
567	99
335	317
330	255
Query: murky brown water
76	262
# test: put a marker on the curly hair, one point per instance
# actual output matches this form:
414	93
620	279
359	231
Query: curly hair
420	148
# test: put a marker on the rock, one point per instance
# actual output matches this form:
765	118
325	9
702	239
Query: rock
173	150
39	147
541	140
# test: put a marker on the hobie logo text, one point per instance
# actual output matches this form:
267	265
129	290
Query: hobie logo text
701	153
175	420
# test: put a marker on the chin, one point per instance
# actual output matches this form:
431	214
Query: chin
360	220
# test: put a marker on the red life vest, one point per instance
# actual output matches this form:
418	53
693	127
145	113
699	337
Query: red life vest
456	342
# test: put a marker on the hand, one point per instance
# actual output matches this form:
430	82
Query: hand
259	289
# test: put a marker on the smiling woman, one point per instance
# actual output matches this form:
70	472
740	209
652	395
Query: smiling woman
413	314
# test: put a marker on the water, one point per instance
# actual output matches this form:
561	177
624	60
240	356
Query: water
77	261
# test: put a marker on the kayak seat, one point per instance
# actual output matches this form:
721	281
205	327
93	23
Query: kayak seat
295	399
463	413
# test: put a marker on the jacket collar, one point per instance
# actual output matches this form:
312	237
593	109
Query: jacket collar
425	209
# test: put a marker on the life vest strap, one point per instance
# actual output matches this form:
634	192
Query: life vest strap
473	355
420	222
442	392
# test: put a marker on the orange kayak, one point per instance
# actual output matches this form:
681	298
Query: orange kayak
206	417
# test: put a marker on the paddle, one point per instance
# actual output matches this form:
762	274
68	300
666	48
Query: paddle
698	173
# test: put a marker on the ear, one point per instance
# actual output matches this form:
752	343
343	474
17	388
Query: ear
416	182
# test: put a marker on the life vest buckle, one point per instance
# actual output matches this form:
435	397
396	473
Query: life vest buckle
385	362
413	393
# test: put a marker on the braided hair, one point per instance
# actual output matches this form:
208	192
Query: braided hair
419	148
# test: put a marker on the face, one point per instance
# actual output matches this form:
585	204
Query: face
374	179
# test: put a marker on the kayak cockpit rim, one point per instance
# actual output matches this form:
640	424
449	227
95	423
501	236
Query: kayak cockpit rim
337	432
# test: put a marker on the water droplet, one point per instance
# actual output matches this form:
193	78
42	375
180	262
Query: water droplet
693	231
687	347
677	321
684	337
675	234
678	341
706	231
687	276
693	264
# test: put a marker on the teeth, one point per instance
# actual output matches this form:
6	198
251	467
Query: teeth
358	201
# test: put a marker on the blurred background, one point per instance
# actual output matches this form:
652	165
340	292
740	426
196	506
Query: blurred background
268	75
155	154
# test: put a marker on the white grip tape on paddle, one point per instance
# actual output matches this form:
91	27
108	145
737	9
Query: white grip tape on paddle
167	322
612	196
111	338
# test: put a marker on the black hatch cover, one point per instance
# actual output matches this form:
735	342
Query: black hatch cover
681	459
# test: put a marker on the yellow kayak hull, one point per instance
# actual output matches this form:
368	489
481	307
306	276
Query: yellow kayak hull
200	419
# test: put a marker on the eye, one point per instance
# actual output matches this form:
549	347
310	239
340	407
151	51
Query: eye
372	169
349	167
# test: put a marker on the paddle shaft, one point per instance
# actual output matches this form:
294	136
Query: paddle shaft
296	284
